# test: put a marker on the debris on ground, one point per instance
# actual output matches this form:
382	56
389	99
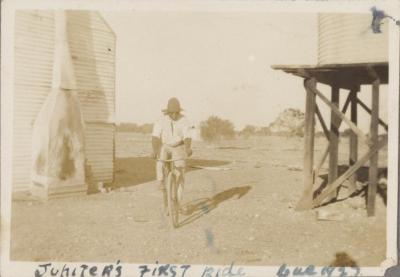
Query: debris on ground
326	215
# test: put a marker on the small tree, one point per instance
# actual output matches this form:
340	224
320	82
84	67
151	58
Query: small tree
135	128
248	130
264	131
215	128
146	128
299	131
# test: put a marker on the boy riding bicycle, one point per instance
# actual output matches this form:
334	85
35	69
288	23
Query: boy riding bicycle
171	140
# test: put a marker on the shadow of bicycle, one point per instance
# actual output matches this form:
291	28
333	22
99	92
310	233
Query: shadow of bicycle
197	208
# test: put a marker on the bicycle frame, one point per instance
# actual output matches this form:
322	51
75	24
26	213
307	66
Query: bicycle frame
172	180
169	166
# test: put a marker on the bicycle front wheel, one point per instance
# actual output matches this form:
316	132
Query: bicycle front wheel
173	203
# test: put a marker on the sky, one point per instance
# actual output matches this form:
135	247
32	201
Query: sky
215	63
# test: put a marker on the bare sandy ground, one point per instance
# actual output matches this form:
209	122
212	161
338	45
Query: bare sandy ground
243	215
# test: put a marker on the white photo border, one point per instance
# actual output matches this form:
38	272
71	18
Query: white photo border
20	269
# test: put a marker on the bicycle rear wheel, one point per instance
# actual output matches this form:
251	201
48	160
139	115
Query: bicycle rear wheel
173	203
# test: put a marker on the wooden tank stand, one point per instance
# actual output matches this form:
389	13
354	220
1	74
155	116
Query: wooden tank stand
348	77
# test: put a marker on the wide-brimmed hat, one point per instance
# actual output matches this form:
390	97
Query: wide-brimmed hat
173	106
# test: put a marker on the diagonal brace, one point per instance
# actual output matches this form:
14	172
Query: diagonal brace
368	110
321	120
326	151
342	116
317	201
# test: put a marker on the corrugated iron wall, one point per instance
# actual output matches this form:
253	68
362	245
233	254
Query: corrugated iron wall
34	48
92	45
348	38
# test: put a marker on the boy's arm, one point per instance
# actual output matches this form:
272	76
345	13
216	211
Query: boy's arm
188	139
188	146
156	144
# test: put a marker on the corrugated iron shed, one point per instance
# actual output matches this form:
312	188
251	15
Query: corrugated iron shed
92	45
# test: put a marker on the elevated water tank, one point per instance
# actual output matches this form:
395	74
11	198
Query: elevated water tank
348	38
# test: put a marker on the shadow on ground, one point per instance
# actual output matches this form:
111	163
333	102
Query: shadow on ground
362	176
197	208
137	170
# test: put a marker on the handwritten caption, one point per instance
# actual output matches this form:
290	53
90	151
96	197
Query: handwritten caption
117	270
171	270
311	270
48	269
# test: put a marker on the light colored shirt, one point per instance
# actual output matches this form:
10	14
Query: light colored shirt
172	132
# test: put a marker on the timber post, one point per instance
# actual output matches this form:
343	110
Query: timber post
373	162
353	139
334	141
309	130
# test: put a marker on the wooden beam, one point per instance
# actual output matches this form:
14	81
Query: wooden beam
305	201
341	115
326	151
350	171
321	163
372	73
353	141
303	73
346	76
373	163
322	122
368	110
334	141
345	106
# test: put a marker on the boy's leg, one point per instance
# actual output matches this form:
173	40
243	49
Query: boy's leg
161	178
161	183
182	182
179	153
165	199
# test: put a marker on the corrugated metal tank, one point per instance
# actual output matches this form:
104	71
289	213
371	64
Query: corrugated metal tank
348	38
92	45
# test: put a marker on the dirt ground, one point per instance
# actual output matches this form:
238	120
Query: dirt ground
243	215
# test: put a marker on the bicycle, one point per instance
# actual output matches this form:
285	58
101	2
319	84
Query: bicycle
173	179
